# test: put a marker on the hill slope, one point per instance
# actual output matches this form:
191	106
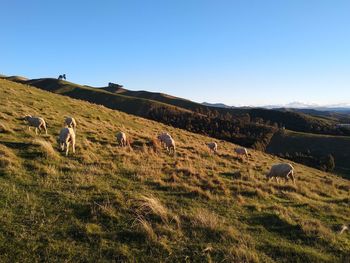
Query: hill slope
292	120
250	127
110	204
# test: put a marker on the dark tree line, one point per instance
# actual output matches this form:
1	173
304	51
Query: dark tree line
233	129
324	163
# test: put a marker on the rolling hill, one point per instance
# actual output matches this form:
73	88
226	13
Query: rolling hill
292	120
139	204
250	127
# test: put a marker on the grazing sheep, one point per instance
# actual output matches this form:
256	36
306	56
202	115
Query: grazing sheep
170	144
67	136
241	151
162	137
281	170
121	139
70	123
37	122
213	147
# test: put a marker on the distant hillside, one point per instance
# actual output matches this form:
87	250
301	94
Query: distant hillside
312	149
217	105
290	119
192	116
110	204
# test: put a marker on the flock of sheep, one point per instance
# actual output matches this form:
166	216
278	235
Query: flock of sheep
67	138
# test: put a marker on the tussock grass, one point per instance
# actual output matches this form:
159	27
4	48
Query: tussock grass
4	128
45	148
8	160
150	206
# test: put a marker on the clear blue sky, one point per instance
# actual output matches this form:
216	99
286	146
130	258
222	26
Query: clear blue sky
248	52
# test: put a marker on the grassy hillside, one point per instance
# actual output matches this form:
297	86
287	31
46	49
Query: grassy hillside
229	128
107	204
121	99
116	101
292	119
314	145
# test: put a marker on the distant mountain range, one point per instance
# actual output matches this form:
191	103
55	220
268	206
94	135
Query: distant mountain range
339	108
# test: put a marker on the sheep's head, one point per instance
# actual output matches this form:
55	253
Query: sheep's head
27	117
268	175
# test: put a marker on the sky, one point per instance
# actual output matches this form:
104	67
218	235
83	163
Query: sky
238	52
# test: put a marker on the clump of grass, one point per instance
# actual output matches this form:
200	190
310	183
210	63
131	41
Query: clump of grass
146	227
314	228
46	149
241	253
240	200
8	160
151	207
4	128
93	229
207	219
212	226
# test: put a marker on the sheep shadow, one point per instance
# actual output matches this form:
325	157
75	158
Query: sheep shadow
16	145
233	157
232	175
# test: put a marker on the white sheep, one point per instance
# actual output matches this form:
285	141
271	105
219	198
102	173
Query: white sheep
121	139
241	151
37	122
281	170
162	137
170	144
67	137
213	146
70	123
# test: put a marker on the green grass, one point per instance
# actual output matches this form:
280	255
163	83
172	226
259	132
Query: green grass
108	204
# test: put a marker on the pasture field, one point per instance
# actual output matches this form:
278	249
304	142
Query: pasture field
110	204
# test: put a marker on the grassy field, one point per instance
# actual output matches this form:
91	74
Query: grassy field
108	204
318	145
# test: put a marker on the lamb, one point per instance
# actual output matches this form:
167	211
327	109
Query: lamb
37	122
213	147
70	123
66	137
121	139
281	170
241	151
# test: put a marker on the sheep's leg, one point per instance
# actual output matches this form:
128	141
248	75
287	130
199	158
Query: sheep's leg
67	148
73	147
36	130
290	175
